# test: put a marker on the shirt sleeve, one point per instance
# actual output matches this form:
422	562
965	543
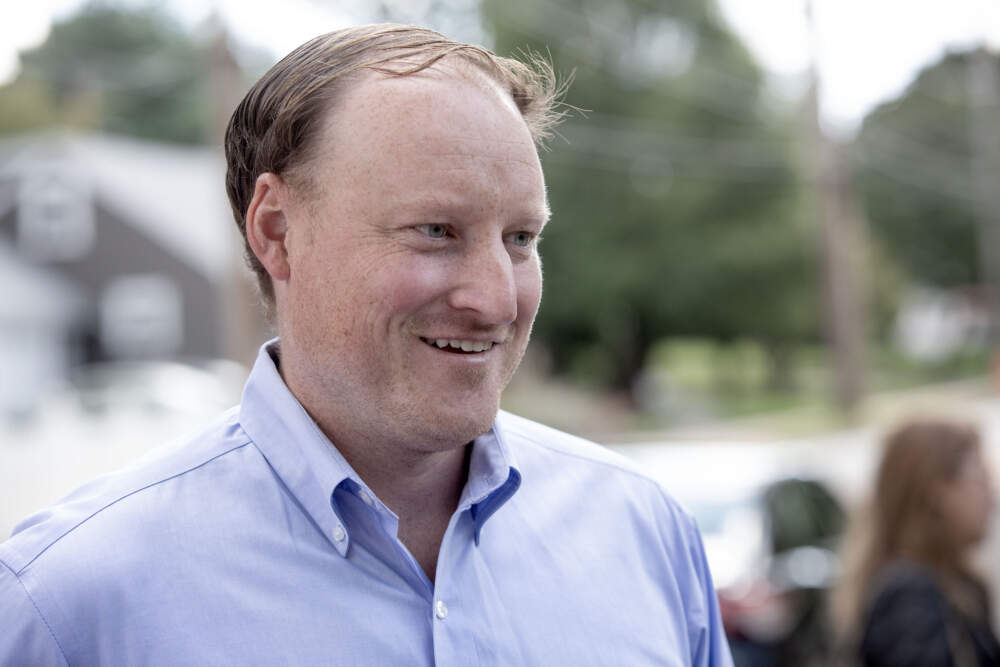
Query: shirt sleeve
26	638
907	626
709	646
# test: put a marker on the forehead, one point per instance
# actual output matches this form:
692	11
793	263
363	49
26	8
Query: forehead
441	105
440	131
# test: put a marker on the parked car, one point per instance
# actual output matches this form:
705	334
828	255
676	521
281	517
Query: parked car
774	609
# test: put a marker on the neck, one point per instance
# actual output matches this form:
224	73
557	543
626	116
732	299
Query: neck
421	483
411	484
423	489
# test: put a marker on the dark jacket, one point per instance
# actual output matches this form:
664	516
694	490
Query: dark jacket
910	623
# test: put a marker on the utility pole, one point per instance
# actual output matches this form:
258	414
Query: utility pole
984	141
842	247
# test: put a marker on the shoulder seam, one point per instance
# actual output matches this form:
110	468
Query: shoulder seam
119	499
38	611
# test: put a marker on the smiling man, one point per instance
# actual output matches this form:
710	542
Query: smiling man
367	503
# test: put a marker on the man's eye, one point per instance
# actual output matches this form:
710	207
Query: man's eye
522	239
434	231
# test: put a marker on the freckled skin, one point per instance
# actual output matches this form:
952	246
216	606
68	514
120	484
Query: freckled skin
400	160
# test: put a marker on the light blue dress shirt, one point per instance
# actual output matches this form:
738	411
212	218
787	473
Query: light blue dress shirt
255	543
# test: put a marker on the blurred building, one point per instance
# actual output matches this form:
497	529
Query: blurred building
933	324
111	248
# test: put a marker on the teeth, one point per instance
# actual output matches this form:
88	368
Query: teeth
464	345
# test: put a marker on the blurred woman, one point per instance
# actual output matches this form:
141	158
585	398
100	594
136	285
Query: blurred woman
909	596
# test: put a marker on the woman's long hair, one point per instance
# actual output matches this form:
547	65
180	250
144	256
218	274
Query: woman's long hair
904	519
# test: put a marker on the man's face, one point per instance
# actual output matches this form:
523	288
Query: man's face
414	274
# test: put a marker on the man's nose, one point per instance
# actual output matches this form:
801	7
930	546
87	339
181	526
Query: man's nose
486	285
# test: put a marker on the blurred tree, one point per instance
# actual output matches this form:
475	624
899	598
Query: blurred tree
125	70
26	105
676	207
915	159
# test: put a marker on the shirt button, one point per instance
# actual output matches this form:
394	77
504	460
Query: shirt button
441	610
366	497
338	533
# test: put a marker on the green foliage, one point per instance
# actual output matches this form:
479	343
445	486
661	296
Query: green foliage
676	206
913	160
890	369
733	378
121	70
27	105
701	377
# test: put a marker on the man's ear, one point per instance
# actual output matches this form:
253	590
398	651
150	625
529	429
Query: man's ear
267	225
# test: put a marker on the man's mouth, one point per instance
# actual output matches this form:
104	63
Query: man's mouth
458	345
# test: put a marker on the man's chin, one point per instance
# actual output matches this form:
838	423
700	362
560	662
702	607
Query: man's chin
449	428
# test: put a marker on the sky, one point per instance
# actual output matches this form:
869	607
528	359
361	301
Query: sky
866	51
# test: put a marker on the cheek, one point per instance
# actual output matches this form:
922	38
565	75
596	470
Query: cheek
971	510
334	295
986	504
529	291
405	285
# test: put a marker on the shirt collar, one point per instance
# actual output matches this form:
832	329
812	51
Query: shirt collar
312	468
294	446
493	477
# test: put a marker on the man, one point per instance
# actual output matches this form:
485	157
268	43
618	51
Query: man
366	504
